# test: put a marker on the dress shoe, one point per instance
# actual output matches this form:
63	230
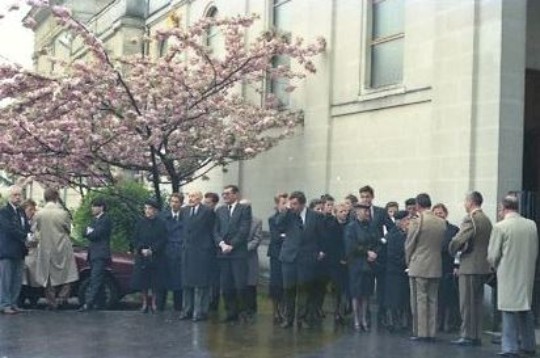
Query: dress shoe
84	308
527	352
286	324
230	319
199	318
278	319
18	309
303	324
418	339
508	354
9	311
464	342
185	316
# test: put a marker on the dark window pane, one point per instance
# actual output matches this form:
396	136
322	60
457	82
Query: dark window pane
278	86
388	18
155	5
282	16
387	63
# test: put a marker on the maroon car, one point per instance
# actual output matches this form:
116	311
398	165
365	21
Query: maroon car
116	284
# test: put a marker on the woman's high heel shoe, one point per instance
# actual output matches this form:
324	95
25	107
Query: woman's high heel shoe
144	309
364	327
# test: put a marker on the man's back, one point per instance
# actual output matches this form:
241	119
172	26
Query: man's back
512	251
423	246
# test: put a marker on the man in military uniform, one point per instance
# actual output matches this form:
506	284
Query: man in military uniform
472	242
424	262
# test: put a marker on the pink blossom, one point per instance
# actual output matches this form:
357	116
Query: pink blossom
173	117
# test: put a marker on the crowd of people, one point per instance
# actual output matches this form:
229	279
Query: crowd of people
426	274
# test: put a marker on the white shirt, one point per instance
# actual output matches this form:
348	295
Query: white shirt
231	207
303	215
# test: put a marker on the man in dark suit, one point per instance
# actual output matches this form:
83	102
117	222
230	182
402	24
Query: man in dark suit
172	260
231	231
379	221
99	251
301	249
14	228
197	257
211	200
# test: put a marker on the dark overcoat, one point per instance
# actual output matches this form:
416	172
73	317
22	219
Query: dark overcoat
397	280
172	262
198	246
147	272
360	237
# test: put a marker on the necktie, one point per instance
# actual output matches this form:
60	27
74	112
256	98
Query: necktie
21	218
192	211
230	210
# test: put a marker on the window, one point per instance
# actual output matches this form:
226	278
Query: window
212	36
281	15
386	45
281	21
155	5
163	46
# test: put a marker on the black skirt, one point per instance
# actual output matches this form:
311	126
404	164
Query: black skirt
361	284
148	274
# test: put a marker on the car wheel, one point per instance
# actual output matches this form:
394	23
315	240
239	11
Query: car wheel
108	297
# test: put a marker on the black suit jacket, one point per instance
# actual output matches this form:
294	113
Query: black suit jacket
380	220
198	230
13	233
276	237
303	242
233	230
100	238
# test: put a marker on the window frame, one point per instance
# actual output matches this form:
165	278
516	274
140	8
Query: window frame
211	12
368	43
273	84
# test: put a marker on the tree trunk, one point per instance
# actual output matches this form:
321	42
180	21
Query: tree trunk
155	177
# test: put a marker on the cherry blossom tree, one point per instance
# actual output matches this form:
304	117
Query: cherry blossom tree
173	118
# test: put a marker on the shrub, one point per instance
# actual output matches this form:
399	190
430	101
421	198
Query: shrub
124	206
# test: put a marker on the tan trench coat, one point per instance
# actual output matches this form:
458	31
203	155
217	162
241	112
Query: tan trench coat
55	260
512	251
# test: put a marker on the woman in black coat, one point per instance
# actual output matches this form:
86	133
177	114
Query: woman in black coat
149	242
361	244
397	280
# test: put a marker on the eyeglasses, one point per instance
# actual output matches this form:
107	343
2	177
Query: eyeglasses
226	193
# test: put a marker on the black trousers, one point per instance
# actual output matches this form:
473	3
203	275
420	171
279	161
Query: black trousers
161	299
233	285
251	299
299	292
97	278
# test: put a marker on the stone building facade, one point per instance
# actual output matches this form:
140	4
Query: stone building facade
411	96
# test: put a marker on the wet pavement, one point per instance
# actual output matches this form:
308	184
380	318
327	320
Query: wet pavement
118	334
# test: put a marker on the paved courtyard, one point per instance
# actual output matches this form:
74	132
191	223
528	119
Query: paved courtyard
119	334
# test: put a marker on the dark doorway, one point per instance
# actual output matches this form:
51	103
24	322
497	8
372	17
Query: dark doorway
531	152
